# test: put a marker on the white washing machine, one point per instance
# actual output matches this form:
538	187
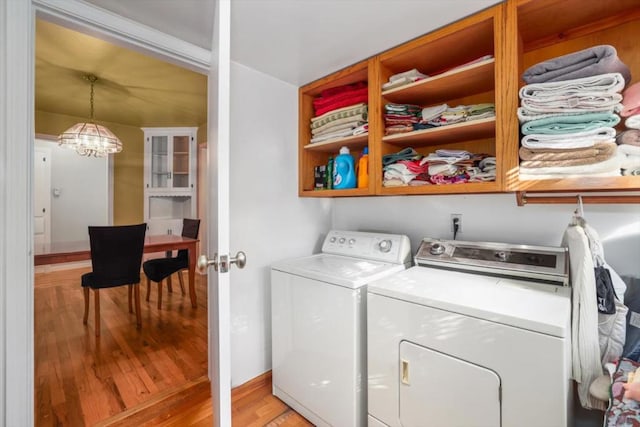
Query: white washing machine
318	324
475	335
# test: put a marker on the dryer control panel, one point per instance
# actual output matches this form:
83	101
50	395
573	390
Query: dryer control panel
392	248
544	263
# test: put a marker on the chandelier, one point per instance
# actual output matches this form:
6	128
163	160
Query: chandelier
90	139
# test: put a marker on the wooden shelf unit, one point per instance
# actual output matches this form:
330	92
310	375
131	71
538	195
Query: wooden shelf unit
576	25
518	33
445	56
310	154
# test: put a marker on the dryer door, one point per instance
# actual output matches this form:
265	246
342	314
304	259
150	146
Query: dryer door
440	390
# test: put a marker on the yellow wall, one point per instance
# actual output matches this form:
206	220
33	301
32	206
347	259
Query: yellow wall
128	191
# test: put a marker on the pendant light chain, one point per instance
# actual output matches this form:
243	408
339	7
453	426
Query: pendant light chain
92	79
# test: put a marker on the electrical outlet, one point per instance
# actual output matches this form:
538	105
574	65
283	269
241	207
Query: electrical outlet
457	217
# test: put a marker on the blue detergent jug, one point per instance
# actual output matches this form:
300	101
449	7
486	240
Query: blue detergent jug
344	173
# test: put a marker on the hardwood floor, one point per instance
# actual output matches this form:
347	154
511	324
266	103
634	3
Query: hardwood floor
152	376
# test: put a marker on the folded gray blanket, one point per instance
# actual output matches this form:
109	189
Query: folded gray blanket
601	150
588	62
629	137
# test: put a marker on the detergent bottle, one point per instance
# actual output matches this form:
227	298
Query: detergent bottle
344	174
363	169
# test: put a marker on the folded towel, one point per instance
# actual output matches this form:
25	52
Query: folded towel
629	150
629	137
525	115
430	113
349	122
340	113
564	162
413	74
332	135
588	62
405	154
570	123
631	162
572	140
578	95
601	150
633	122
611	165
525	176
631	100
488	163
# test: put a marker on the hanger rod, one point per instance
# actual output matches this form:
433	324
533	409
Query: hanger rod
523	199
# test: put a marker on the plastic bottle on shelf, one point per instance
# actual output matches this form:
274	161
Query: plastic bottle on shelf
344	174
329	174
363	169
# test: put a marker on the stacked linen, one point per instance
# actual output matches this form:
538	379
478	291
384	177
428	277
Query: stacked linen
340	123
629	140
443	115
459	166
568	113
408	167
403	79
400	118
341	96
340	112
402	168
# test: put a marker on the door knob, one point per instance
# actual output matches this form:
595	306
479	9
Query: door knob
204	263
240	260
222	262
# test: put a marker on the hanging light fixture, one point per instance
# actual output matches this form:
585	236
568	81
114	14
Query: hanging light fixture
90	139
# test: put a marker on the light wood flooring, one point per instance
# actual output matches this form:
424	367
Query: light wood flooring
153	376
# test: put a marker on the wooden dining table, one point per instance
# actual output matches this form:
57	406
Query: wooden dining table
61	252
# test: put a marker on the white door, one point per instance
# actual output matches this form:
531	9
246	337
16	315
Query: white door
218	216
42	196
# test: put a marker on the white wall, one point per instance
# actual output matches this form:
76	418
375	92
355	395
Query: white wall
494	218
84	197
269	221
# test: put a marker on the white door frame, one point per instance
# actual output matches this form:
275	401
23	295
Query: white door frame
17	32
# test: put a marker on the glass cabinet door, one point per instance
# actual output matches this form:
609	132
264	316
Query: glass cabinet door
160	173
181	161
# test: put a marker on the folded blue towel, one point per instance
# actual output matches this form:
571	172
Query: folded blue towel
558	125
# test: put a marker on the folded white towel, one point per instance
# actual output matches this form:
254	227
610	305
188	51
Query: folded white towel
412	75
430	113
633	122
445	169
524	176
610	165
600	83
570	140
629	150
631	162
578	95
525	115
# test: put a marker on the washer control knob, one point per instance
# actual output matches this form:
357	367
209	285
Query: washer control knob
342	240
332	240
437	249
502	256
352	241
385	245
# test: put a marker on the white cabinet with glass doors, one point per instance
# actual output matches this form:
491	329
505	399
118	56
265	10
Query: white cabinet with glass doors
169	178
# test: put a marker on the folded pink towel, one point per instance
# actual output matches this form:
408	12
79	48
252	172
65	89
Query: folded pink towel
631	100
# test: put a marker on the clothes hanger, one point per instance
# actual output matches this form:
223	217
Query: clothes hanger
578	213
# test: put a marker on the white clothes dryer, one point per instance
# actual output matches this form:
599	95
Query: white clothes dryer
475	335
318	324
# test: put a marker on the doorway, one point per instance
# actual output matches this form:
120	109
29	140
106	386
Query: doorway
171	350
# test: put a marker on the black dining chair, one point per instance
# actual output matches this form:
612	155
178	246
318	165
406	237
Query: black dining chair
159	269
116	255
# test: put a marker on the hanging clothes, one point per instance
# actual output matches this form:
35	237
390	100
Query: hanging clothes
584	332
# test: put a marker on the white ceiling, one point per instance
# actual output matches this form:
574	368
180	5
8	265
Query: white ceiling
298	41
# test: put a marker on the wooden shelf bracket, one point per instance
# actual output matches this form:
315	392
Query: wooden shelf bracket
522	198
